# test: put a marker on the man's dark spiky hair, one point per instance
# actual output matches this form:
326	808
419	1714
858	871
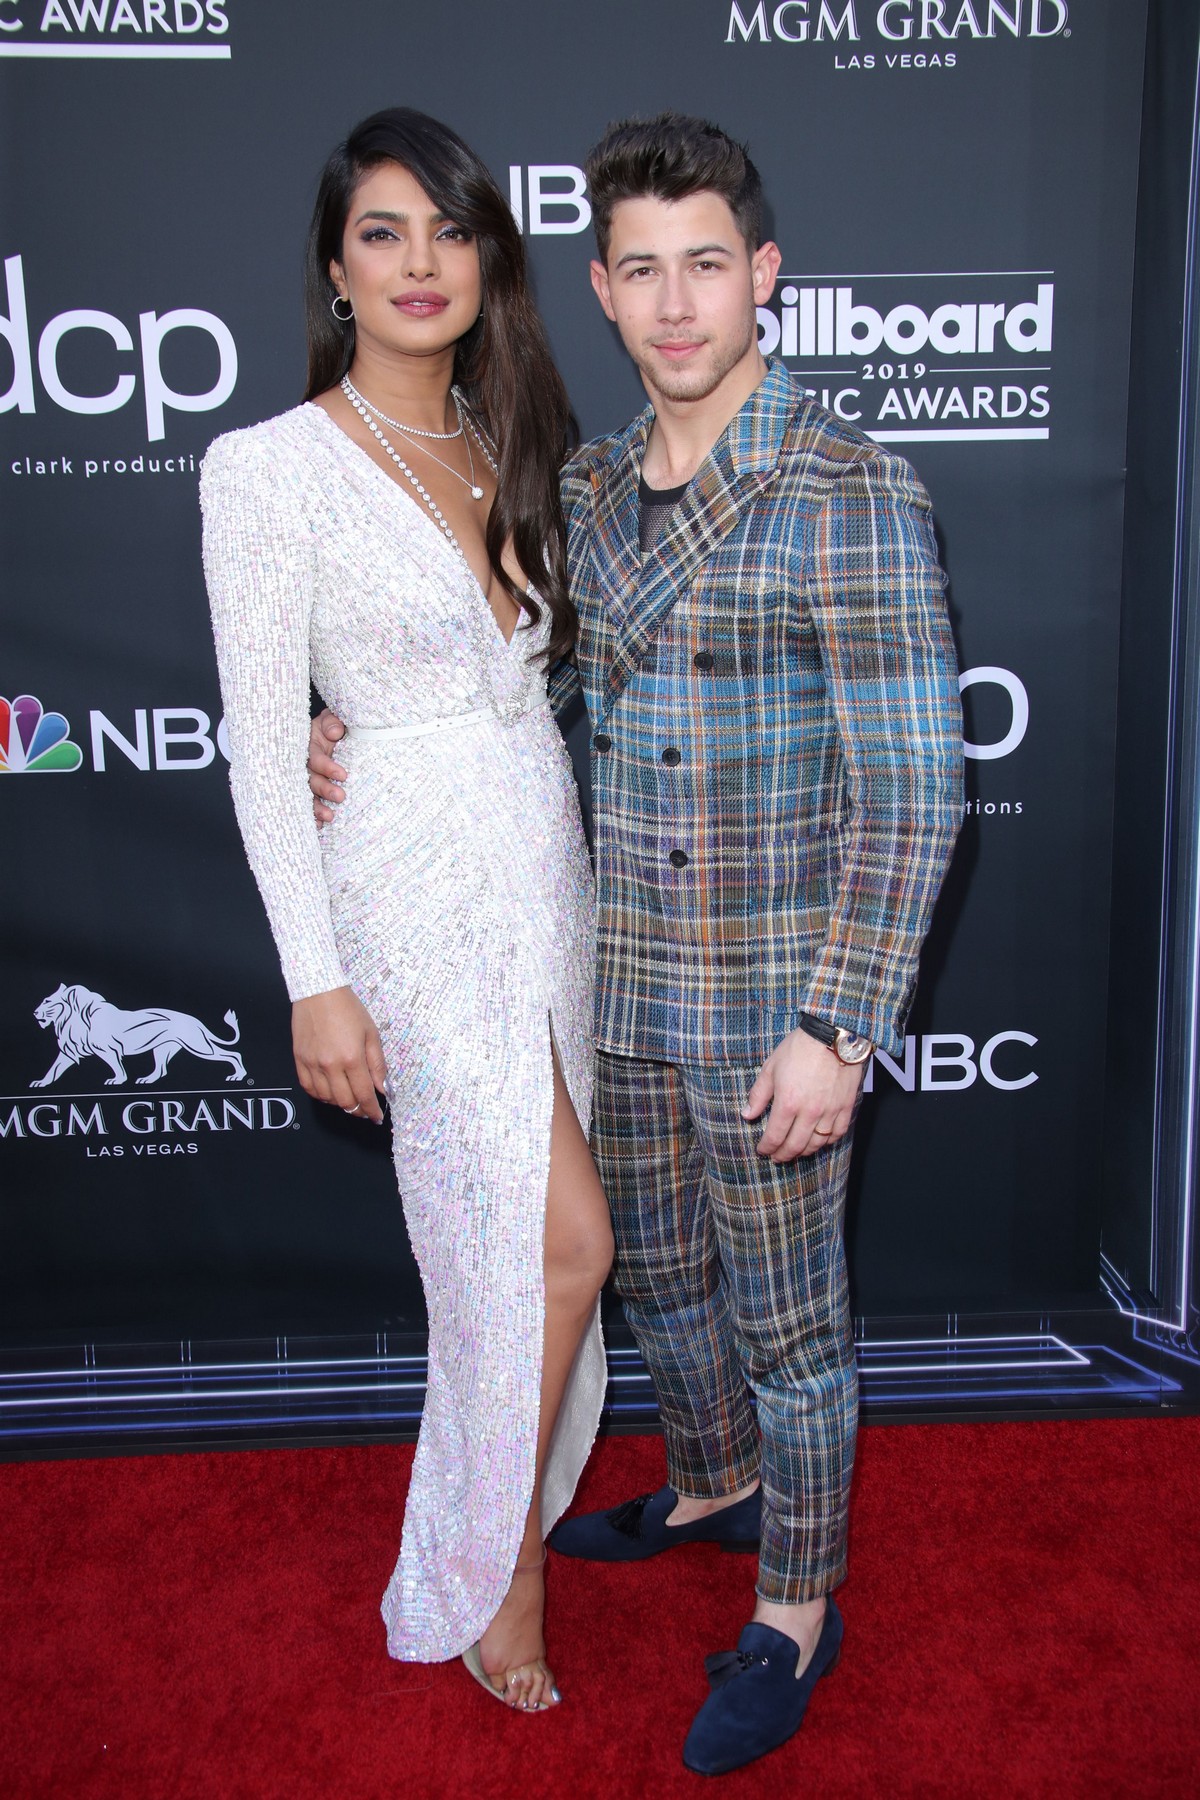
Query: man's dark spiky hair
670	158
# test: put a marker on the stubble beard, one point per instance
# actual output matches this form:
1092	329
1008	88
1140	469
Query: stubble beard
682	384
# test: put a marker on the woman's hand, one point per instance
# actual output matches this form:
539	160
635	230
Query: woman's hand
339	1057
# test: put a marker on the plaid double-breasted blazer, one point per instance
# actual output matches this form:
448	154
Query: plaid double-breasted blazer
776	734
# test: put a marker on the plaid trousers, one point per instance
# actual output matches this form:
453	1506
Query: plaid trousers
732	1271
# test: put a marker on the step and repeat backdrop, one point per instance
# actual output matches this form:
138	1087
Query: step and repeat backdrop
952	184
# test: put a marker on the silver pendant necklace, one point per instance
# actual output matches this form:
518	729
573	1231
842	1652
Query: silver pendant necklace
364	409
354	398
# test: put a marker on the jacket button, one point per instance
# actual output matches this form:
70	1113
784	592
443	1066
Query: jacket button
602	741
672	758
703	659
679	859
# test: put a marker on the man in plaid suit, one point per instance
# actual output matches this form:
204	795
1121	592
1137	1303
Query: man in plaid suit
777	773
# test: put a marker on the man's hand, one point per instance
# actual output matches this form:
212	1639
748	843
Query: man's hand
339	1057
811	1095
323	773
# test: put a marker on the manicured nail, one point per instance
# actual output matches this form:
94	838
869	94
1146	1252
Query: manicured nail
556	1695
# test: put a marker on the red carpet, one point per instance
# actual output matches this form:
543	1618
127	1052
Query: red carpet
1022	1619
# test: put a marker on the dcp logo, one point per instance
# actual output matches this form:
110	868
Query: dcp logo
153	330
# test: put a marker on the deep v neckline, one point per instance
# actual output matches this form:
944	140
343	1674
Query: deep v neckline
457	554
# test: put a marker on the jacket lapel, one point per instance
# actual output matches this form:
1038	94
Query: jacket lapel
742	463
615	556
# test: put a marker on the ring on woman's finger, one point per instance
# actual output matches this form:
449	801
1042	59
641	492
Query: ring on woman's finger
357	1107
817	1132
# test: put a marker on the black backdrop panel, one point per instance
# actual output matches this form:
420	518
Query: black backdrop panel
953	190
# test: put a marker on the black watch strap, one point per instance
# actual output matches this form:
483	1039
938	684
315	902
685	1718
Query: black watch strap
817	1028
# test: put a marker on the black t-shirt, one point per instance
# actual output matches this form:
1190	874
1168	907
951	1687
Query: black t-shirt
655	506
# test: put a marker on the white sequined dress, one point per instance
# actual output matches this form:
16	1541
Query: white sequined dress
453	894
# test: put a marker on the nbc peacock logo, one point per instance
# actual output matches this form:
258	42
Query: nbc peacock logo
33	741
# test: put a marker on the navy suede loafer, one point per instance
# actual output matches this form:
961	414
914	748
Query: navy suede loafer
637	1529
757	1703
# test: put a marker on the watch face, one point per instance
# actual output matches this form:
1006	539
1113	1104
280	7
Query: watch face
853	1049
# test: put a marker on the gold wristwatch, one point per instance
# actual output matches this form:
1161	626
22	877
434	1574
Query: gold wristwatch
846	1046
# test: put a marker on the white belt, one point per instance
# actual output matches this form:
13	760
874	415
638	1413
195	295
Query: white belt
449	722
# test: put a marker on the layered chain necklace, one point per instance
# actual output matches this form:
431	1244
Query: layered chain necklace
508	712
414	433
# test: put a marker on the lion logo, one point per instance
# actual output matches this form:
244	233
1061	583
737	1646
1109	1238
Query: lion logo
86	1025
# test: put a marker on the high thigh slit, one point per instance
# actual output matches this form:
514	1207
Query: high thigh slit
452	892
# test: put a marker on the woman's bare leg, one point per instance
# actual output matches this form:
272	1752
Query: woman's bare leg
578	1252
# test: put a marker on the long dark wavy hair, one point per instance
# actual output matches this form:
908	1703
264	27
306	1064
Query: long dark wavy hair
502	364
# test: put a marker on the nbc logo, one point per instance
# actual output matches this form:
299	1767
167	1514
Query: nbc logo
34	742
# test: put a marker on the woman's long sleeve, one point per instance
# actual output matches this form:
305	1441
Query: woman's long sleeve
260	568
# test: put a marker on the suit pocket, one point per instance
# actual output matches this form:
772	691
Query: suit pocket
761	598
798	877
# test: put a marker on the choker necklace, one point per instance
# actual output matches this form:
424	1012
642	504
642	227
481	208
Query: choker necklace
444	437
364	409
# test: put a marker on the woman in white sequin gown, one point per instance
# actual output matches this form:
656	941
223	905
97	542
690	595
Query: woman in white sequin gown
437	938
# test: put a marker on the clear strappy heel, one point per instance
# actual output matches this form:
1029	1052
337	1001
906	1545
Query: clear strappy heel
474	1662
